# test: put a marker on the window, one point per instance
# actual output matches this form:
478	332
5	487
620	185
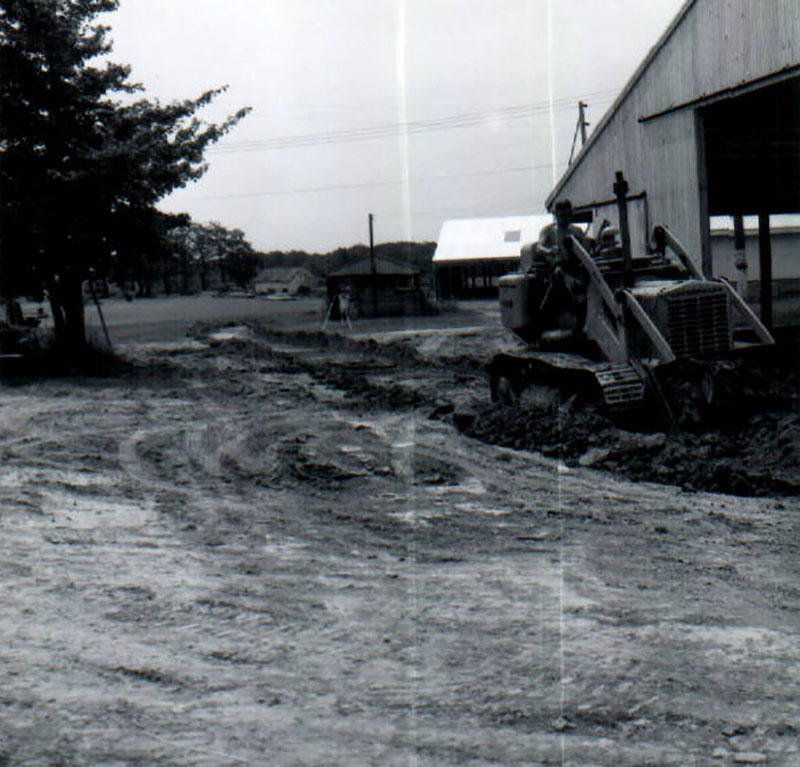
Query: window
512	235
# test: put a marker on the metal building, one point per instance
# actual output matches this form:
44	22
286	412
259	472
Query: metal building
709	125
473	253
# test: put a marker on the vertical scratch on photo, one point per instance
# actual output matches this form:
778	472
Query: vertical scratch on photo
561	630
402	98
550	90
559	480
409	438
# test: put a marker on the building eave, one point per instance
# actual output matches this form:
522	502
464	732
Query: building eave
612	110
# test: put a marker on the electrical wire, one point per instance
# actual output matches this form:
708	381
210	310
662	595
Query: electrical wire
407	128
374	184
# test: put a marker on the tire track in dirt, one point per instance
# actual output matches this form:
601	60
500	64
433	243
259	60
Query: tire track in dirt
325	583
138	579
435	484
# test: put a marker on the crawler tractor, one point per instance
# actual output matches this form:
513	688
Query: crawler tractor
601	323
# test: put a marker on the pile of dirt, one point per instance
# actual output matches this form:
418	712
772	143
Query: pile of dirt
730	427
758	458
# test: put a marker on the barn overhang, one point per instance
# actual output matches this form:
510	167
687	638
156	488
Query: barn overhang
752	151
708	125
750	145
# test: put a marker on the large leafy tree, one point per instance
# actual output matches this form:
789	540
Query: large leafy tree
83	160
146	252
205	245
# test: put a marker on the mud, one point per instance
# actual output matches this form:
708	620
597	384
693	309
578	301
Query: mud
742	438
259	547
730	427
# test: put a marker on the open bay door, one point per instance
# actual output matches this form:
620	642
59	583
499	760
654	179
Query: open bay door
751	143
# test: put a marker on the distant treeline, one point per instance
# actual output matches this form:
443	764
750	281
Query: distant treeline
197	257
416	254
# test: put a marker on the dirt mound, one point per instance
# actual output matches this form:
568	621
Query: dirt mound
729	426
718	393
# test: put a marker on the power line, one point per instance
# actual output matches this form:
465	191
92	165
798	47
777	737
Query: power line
482	208
385	131
373	184
395	129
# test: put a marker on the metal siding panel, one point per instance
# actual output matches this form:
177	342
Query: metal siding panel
719	44
659	158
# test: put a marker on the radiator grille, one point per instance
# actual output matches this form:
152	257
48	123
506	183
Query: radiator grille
698	320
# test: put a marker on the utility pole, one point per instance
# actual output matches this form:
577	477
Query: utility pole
371	245
582	121
372	268
581	126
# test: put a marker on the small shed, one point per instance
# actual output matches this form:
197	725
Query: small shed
473	253
376	287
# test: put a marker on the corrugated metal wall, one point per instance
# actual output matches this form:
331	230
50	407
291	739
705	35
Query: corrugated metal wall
717	45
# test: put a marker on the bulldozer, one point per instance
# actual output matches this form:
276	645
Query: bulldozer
602	323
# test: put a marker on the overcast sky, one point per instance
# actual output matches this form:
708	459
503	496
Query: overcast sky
415	110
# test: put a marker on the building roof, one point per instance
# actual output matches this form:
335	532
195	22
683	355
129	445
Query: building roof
364	267
623	95
779	225
759	47
476	239
284	274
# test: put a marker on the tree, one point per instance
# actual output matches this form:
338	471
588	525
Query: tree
202	247
79	168
146	250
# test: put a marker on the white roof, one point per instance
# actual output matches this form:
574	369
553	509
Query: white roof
470	239
778	223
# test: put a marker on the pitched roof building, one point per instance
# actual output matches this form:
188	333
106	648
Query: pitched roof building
376	287
708	125
473	253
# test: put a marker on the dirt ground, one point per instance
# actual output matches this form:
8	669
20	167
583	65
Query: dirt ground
257	545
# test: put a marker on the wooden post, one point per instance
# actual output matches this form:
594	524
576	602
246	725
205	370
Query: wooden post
582	120
740	255
765	265
706	256
738	232
373	270
621	191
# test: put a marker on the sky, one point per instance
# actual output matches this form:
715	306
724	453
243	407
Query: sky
416	111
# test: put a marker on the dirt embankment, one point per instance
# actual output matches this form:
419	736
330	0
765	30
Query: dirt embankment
732	428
